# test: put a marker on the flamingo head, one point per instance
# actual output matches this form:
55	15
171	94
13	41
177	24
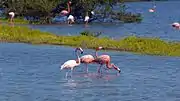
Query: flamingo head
173	25
80	49
69	2
99	48
119	70
116	68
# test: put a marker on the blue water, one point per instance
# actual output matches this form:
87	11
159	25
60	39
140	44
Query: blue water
31	72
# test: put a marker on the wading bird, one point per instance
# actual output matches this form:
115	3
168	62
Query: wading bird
105	60
86	19
70	64
70	19
176	25
152	9
66	12
12	14
87	59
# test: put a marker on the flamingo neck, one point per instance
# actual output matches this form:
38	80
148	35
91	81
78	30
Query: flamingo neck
116	68
79	60
68	7
108	65
96	54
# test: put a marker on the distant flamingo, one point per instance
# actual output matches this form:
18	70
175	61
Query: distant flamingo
70	64
86	19
12	14
87	59
92	12
70	19
152	9
176	25
66	12
105	59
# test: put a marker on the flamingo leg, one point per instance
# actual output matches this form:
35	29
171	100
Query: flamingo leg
66	74
106	69
71	72
86	68
99	68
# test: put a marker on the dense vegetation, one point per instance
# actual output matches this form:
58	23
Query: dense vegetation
151	46
45	10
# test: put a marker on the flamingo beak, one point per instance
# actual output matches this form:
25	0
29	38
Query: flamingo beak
81	50
70	2
118	69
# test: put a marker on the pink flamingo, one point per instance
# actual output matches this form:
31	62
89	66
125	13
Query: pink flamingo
105	60
66	12
70	64
87	59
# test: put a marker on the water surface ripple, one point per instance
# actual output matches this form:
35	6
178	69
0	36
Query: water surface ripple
31	73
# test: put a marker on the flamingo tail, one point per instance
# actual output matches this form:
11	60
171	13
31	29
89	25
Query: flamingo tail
63	66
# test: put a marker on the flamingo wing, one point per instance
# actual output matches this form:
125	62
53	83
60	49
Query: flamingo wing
69	64
103	59
86	18
87	58
12	14
64	12
176	24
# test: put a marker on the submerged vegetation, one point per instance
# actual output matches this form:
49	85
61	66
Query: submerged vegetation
91	34
151	46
